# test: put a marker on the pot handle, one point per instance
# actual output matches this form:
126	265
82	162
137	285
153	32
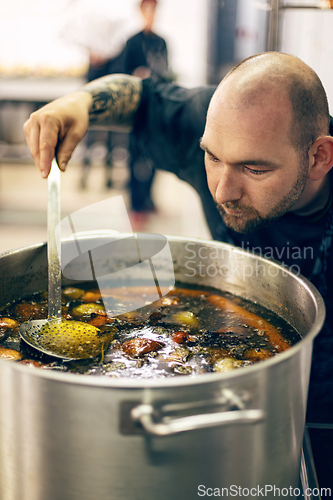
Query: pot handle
144	414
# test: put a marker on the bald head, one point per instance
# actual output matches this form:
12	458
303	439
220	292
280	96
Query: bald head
280	80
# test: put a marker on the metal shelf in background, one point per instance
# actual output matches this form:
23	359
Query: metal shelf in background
274	7
325	5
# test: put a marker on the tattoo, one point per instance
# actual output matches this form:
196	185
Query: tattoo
116	98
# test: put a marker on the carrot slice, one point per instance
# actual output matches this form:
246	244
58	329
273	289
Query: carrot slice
251	319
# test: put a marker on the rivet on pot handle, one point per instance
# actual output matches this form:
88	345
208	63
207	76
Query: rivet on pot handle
144	414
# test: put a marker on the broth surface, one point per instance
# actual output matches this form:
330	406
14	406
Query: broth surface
189	331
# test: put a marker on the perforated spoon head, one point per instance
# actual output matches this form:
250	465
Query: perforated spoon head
65	339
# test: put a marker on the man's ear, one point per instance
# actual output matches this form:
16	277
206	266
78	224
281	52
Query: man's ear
320	158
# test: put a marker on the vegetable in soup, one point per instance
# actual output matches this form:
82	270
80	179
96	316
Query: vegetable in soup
189	331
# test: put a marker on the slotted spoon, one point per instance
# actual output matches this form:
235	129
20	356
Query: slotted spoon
55	336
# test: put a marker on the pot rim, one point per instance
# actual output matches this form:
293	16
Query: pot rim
179	380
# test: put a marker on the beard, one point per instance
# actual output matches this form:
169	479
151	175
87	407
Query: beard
251	220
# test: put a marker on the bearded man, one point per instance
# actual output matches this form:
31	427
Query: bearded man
260	161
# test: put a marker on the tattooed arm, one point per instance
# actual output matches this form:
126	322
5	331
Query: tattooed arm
115	100
58	127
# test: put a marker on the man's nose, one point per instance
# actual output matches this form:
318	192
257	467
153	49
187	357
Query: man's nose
229	187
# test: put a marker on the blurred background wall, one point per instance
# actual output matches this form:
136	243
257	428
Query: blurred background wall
44	54
36	36
44	47
44	44
307	33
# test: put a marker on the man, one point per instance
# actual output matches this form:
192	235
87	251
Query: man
267	152
145	56
146	52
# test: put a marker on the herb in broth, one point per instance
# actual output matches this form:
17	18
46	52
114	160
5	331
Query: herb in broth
187	332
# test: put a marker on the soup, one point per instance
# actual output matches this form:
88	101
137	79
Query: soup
189	331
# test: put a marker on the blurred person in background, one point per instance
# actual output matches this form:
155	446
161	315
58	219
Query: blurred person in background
146	56
146	53
102	28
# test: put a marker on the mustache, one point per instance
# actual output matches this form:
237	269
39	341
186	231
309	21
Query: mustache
236	207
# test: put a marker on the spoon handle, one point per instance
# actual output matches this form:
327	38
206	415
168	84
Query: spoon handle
53	250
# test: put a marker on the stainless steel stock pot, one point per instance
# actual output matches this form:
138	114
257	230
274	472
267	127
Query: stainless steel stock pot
80	437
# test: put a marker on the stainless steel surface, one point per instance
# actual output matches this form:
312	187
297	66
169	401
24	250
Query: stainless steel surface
72	437
30	331
145	415
308	475
55	336
53	250
275	7
273	26
64	339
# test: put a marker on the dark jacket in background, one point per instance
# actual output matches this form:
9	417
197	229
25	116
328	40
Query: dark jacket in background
148	50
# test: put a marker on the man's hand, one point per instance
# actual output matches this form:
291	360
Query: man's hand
56	129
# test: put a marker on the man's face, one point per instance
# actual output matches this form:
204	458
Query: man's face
253	170
148	9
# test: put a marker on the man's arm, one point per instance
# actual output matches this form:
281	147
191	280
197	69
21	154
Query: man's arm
57	128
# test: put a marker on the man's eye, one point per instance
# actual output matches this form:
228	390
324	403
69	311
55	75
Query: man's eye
213	158
255	172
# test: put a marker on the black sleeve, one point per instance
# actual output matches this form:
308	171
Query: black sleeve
169	124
